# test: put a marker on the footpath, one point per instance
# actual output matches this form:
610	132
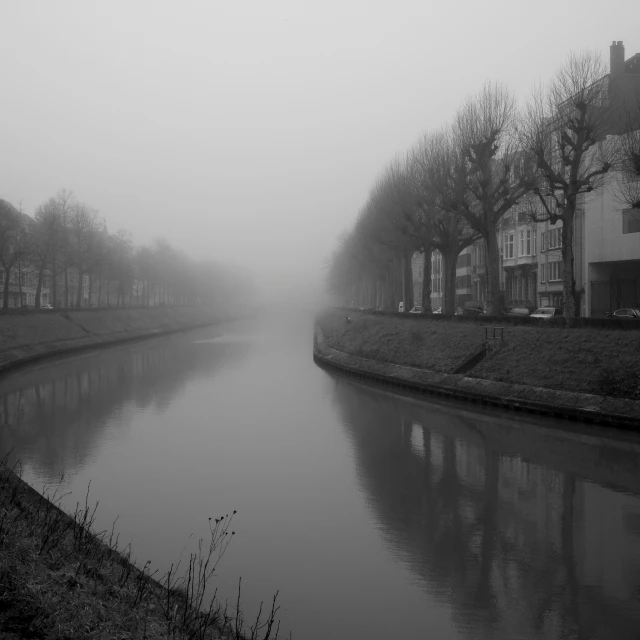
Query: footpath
591	375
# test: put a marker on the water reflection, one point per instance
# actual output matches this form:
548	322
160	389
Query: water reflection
56	415
453	523
526	533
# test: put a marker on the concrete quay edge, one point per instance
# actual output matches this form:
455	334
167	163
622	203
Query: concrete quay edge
619	413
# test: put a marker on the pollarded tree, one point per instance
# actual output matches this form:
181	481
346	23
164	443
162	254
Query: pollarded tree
393	199
564	130
13	245
439	192
628	145
84	228
52	232
492	169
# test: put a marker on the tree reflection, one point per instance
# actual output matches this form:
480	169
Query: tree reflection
57	414
490	523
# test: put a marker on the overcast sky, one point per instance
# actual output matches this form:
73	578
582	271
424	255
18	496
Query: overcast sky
250	131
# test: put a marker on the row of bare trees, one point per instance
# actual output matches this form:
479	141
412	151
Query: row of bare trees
458	184
67	246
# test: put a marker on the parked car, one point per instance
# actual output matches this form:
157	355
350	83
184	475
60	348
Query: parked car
470	308
518	311
546	312
416	309
46	306
438	310
625	314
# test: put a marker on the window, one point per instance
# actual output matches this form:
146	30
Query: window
525	242
554	239
420	273
436	262
508	245
543	271
631	221
535	244
554	271
464	260
543	238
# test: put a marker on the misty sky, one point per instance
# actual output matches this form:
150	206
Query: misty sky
251	131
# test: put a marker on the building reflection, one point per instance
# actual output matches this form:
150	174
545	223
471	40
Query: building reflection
524	534
55	417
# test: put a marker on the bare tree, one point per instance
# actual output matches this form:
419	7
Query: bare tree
84	229
628	144
13	247
490	171
564	131
439	192
52	221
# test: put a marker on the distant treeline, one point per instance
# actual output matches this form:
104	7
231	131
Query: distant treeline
65	256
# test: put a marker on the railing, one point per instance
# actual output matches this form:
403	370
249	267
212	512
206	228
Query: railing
491	335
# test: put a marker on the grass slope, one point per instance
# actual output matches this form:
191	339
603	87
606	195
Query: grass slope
583	360
60	580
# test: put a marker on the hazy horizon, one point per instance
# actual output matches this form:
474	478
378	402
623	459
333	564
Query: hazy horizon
250	133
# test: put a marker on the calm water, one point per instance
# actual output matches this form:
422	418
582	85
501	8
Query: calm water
375	515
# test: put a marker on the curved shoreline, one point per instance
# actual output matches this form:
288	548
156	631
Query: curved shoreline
81	575
25	354
613	412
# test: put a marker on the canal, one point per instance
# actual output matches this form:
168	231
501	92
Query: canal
375	515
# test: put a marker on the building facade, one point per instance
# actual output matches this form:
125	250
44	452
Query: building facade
606	238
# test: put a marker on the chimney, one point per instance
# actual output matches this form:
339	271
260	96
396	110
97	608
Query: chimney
616	57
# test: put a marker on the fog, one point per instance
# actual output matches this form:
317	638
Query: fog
250	132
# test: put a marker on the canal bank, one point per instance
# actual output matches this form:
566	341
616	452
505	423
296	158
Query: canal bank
538	369
60	575
31	336
59	578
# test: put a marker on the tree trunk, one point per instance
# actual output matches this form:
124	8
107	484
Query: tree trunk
39	285
19	285
426	281
408	281
54	289
79	293
66	287
403	286
389	296
494	302
90	287
571	296
5	291
449	260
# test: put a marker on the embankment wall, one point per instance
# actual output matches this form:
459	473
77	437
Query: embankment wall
540	370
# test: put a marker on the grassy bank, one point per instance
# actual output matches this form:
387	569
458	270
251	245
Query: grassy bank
594	361
28	336
60	579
